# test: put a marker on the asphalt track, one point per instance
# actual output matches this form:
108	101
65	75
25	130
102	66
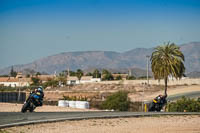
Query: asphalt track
9	119
194	94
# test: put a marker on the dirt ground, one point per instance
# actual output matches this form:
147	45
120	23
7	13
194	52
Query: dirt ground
137	93
172	90
162	124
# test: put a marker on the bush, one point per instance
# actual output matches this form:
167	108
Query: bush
118	78
106	75
52	83
36	81
130	78
13	89
74	98
118	101
184	104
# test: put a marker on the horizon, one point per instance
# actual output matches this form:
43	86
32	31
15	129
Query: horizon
34	29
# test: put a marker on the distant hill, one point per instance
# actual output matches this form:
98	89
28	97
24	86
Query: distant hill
191	52
193	74
135	58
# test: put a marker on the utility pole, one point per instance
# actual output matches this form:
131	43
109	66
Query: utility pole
147	81
129	72
68	74
147	70
19	95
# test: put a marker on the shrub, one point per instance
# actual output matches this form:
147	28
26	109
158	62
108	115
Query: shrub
66	97
36	81
52	83
118	101
118	77
106	75
13	89
184	104
130	78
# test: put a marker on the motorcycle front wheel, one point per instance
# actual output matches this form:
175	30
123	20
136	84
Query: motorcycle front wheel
151	107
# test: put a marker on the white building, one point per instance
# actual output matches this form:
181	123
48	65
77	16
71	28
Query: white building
85	79
14	82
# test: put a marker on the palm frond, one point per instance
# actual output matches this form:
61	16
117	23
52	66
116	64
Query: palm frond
167	60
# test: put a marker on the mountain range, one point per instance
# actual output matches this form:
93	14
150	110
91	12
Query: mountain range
88	60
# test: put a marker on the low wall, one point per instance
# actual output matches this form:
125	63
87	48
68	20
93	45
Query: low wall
12	97
186	81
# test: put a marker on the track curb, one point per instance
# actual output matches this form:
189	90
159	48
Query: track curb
147	114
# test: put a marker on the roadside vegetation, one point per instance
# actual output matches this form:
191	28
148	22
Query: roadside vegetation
3	131
184	105
118	101
74	98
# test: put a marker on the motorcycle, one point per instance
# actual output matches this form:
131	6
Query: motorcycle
157	103
30	104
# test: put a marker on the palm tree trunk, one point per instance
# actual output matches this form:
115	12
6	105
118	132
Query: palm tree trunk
165	86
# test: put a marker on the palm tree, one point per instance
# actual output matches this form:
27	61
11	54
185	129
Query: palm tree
167	60
96	74
79	74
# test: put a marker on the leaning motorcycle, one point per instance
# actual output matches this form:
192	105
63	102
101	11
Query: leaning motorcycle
29	104
157	105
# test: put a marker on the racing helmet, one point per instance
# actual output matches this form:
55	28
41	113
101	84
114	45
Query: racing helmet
40	89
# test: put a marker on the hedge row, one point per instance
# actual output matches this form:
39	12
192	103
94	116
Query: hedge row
184	105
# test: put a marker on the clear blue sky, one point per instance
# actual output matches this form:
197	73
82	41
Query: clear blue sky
31	29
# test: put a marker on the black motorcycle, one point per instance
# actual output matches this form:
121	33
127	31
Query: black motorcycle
30	104
157	103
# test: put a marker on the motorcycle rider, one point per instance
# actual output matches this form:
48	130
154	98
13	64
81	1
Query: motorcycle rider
38	95
160	98
158	103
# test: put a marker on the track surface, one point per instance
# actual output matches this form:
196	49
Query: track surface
194	94
9	119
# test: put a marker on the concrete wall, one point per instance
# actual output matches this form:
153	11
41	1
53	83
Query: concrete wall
12	97
185	81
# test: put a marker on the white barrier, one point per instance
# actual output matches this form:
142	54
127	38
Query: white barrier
63	103
82	104
74	104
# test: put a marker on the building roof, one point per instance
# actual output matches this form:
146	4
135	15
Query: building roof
12	79
4	79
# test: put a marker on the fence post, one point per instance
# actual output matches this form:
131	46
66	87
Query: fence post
145	105
19	95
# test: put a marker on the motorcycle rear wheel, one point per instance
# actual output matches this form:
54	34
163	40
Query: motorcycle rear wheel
32	107
25	107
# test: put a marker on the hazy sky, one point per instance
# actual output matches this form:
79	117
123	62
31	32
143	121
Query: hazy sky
31	29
